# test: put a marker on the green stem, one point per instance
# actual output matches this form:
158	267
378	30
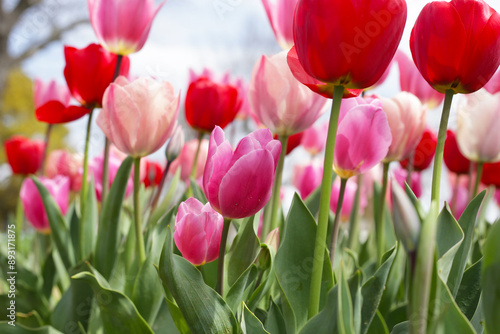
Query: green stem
156	197
19	221
195	161
438	160
380	219
324	206
222	252
137	211
45	152
479	173
336	222
354	221
85	185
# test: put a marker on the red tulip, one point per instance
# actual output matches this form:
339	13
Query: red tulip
423	154
154	173
348	43
455	44
90	71
24	155
491	174
453	158
293	141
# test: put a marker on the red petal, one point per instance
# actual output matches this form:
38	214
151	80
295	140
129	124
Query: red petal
54	112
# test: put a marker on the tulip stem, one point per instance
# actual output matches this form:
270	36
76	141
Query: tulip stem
195	160
19	220
438	159
354	223
324	206
222	252
137	211
479	173
380	219
455	194
45	151
156	197
336	222
83	194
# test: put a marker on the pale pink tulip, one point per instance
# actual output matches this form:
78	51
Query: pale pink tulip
478	126
280	15
407	120
122	26
279	101
363	139
198	231
314	138
185	159
238	184
50	91
139	116
61	162
413	82
175	144
34	209
307	178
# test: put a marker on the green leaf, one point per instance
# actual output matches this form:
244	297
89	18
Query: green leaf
157	236
5	328
204	310
401	328
88	223
418	206
470	290
251	323
448	239
326	321
467	222
198	192
242	288
293	265
266	261
394	281
108	233
275	323
378	325
345	318
118	313
490	276
164	323
59	230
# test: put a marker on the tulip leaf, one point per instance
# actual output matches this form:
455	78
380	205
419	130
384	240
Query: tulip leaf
266	258
490	276
469	292
345	318
118	313
5	328
378	325
59	231
401	328
203	309
198	192
448	239
88	224
394	281
251	323
108	233
293	265
275	323
418	206
242	288
157	236
467	223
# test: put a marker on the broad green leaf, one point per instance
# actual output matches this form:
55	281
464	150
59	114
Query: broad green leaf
176	314
467	222
418	206
477	320
470	290
448	239
401	328
108	233
357	299
5	328
378	325
158	234
250	324
490	276
60	233
326	321
394	281
88	222
119	315
198	192
164	323
204	310
275	323
242	288
345	318
266	260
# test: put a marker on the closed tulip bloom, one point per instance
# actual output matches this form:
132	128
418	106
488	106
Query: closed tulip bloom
24	155
363	140
279	101
198	231
175	144
455	44
307	178
89	71
34	209
491	174
154	173
67	164
349	43
280	15
407	120
453	158
238	184
122	26
413	82
186	159
139	116
314	139
478	125
424	152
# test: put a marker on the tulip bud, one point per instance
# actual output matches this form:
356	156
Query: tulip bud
405	218
175	144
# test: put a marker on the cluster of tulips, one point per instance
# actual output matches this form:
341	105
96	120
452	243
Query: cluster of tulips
204	244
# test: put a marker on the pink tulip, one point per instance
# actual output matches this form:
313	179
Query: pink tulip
279	101
50	91
478	125
280	15
363	139
67	164
186	159
139	116
407	120
238	184
400	175
314	138
122	27
349	195
413	82
33	204
497	196
307	178
493	86
198	231
459	201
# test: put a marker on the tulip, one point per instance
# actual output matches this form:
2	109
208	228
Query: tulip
238	184
314	139
24	155
175	144
497	196
186	159
198	231
279	101
412	81
307	178
460	200
139	116
154	173
33	204
407	120
493	86
122	27
348	201
67	164
491	174
401	175
210	103
424	152
293	142
90	71
478	125
453	158
50	91
465	62
280	15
